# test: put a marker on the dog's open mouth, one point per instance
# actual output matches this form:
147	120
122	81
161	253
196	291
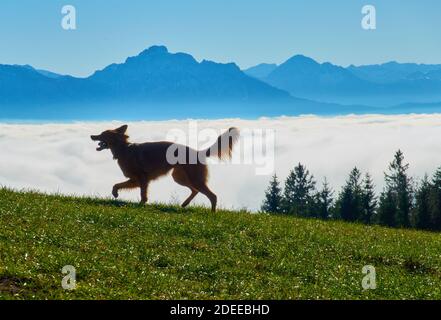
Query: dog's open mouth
102	145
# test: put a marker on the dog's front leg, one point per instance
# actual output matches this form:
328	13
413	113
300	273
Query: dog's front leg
144	187
115	191
129	184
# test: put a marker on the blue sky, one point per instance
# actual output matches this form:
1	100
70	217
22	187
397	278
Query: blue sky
247	32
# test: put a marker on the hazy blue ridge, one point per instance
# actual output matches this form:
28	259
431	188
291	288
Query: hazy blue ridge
261	71
157	84
381	85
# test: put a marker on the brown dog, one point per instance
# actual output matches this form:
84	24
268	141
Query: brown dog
142	163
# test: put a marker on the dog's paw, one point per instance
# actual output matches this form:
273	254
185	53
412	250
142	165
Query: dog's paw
115	192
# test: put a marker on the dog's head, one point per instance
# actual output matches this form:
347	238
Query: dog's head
110	138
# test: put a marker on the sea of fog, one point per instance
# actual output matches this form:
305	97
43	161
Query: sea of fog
61	158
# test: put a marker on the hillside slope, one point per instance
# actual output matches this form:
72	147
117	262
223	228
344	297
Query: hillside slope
121	250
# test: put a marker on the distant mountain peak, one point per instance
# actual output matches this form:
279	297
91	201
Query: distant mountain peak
300	58
26	66
160	53
390	63
157	49
265	65
261	71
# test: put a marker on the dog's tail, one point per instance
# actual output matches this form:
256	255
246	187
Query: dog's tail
223	147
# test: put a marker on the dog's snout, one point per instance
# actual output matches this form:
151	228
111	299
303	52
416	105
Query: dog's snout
94	138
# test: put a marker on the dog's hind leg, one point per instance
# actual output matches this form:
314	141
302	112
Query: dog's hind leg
181	178
196	179
193	194
203	188
129	184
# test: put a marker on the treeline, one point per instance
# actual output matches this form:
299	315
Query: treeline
402	203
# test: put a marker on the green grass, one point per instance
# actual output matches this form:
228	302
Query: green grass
124	251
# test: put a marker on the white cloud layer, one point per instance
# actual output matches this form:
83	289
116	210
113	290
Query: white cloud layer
62	158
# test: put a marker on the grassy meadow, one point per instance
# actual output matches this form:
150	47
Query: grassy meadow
125	251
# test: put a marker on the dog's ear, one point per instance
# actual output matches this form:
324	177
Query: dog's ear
122	129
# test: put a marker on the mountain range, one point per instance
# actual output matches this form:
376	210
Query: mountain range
380	85
154	77
159	84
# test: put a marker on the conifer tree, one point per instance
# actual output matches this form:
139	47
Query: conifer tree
369	200
325	201
435	201
349	203
422	207
299	191
273	197
399	185
387	210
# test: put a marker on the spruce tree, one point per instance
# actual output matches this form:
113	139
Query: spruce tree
387	210
273	197
349	203
400	185
422	208
325	201
298	196
435	201
369	200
